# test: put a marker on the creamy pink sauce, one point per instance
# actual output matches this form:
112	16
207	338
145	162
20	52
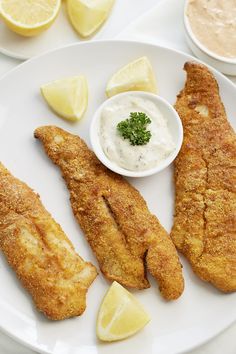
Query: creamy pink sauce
213	22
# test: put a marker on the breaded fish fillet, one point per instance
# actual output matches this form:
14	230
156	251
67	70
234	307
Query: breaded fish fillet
122	232
40	253
205	178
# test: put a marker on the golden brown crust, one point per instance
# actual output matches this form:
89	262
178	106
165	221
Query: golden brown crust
40	253
205	178
114	217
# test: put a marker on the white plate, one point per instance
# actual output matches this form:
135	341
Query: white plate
202	311
61	32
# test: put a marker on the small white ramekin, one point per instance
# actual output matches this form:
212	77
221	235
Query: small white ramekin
225	65
174	125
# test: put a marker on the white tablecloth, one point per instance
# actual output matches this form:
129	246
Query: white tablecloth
162	25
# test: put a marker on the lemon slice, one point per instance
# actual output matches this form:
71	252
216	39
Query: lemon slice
135	76
27	17
87	16
67	97
120	315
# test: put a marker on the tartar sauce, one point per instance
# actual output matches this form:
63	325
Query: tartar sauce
119	150
213	22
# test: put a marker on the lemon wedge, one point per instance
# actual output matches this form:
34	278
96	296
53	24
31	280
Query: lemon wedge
67	97
135	76
87	16
29	18
120	315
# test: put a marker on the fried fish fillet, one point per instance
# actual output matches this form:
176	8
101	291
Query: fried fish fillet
122	232
40	253
205	178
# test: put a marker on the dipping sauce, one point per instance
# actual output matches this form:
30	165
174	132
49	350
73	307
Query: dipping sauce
213	22
120	150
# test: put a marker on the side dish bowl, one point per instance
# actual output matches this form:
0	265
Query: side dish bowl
173	122
223	64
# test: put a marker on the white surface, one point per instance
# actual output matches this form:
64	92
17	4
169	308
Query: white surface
61	32
174	128
162	25
202	311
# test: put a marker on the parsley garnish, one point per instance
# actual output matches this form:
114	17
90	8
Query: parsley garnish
135	128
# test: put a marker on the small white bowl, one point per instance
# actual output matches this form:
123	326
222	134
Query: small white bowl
174	125
223	64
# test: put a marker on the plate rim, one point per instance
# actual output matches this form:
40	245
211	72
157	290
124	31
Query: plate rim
120	40
13	55
17	338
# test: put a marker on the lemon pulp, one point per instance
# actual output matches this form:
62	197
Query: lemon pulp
27	17
68	97
87	16
120	315
137	75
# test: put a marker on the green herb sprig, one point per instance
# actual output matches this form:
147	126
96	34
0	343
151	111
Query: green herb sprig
135	128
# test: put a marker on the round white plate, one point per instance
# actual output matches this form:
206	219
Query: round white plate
61	32
177	326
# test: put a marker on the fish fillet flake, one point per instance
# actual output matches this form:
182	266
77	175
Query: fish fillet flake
40	253
125	237
205	178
